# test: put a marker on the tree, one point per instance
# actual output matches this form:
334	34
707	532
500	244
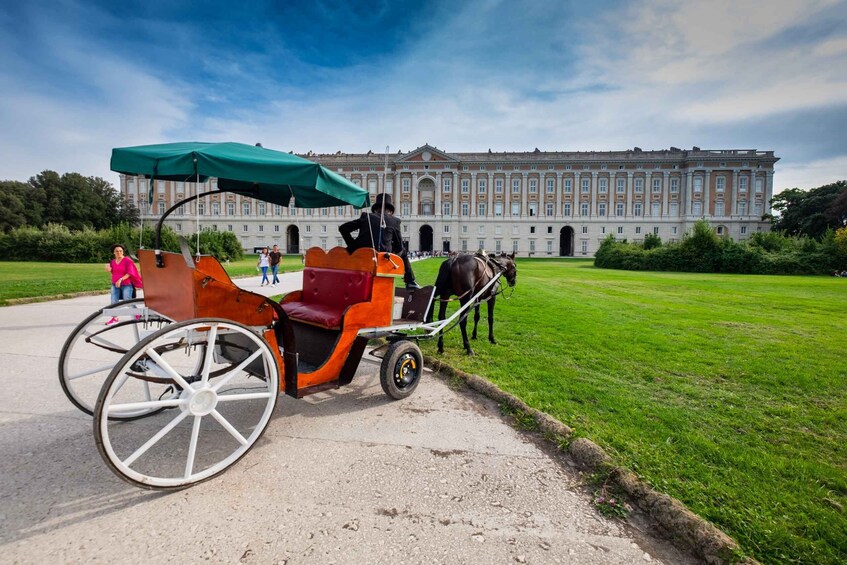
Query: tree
78	202
20	205
811	213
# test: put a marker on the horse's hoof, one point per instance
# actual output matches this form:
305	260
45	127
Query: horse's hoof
493	341
470	352
440	350
473	337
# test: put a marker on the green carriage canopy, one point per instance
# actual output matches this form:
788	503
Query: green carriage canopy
249	170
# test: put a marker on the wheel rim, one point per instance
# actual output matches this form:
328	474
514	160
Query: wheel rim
406	371
227	382
92	350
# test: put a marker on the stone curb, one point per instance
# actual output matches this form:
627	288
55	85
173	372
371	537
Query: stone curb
685	527
62	296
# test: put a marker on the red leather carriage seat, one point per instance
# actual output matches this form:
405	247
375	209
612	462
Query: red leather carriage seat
327	293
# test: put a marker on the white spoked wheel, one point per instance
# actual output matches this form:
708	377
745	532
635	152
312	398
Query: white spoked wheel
97	344
217	383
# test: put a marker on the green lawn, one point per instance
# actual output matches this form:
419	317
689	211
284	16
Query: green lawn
728	392
39	279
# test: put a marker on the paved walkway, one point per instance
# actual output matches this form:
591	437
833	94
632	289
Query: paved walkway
345	476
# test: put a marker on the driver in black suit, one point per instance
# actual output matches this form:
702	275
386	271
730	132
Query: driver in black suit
384	239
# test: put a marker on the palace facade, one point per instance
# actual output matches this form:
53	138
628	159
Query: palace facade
533	203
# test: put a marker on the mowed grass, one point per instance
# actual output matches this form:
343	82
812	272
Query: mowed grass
728	392
44	280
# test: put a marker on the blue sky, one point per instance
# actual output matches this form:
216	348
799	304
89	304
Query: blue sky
78	78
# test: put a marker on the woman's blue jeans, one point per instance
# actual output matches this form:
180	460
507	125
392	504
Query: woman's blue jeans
121	293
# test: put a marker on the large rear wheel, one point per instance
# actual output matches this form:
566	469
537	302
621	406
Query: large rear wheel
218	382
95	347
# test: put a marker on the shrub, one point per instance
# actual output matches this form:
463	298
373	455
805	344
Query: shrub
57	243
703	251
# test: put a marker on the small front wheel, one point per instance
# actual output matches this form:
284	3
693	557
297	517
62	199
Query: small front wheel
401	369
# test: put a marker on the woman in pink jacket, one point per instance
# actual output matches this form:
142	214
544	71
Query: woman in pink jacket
124	276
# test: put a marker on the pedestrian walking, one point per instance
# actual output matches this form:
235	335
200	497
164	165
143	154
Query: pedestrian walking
263	264
275	258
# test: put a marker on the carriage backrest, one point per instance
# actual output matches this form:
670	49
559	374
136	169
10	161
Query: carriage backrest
185	289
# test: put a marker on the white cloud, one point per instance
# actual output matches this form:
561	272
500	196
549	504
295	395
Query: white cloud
810	175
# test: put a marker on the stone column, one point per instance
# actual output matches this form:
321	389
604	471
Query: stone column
524	194
688	192
648	193
592	208
666	189
558	196
489	196
733	211
507	195
629	190
766	206
577	198
707	189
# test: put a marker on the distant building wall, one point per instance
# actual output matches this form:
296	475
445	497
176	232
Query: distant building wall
539	203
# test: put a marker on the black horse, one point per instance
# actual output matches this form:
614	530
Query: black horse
466	275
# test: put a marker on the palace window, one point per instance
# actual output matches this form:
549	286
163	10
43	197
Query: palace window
407	185
245	208
466	186
621	186
604	186
698	184
636	209
447	208
262	208
601	209
216	209
720	184
742	208
498	186
584	209
466	209
759	185
719	208
639	186
551	186
447	185
516	208
657	185
742	184
481	184
619	209
498	209
406	208
697	208
674	208
516	185
230	208
568	186
549	211
533	209
655	209
533	186
586	186
372	186
481	209
674	186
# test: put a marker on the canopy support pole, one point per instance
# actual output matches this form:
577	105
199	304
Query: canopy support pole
167	213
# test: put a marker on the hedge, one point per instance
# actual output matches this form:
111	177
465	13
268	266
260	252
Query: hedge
58	243
702	251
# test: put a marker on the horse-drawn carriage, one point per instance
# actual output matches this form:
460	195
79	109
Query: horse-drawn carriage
185	384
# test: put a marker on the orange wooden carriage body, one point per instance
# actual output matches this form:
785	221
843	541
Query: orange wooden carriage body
343	293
